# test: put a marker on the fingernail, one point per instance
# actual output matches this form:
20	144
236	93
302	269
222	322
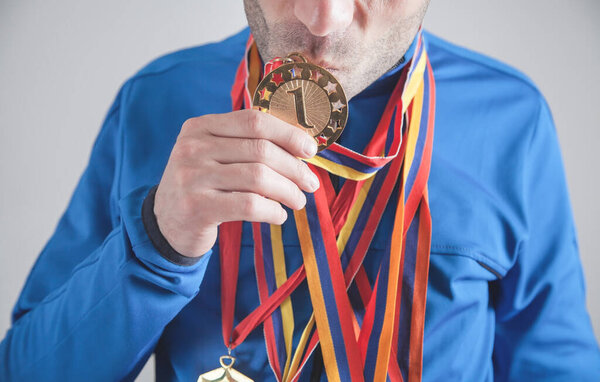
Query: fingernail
303	202
310	147
314	182
283	216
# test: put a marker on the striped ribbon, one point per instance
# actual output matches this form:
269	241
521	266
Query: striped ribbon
367	332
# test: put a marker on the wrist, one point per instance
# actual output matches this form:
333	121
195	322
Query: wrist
160	242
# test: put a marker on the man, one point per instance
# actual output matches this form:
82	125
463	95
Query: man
505	298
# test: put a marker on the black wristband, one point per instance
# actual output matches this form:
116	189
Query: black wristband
156	237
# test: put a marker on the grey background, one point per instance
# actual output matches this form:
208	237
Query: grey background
61	64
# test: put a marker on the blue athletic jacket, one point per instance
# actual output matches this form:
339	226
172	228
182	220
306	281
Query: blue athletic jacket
505	296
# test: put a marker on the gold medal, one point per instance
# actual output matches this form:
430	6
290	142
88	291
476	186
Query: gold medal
225	373
304	95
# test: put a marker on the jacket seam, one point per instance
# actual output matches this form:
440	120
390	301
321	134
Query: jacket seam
470	253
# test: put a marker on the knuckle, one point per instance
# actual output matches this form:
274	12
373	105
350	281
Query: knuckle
185	148
196	125
262	148
190	124
255	120
295	139
251	205
258	173
301	169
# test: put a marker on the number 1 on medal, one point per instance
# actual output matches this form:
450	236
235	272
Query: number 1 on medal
300	109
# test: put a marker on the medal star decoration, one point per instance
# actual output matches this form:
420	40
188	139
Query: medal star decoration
296	71
330	87
265	94
277	79
305	95
337	106
315	75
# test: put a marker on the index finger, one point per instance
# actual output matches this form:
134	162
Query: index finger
254	124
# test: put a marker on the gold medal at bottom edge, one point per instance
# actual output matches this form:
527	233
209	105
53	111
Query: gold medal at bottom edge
225	373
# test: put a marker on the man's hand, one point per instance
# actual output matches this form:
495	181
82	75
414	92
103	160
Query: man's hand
230	167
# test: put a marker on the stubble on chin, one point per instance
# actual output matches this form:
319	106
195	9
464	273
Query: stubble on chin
353	60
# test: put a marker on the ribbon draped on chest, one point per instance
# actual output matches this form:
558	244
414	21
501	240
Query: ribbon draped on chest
368	330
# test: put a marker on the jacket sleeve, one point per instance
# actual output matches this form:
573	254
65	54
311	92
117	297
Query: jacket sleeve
99	294
543	329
